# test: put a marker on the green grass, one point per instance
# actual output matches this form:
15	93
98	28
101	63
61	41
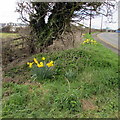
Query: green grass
7	35
87	73
88	36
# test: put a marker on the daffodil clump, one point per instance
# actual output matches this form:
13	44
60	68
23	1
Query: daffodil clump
89	41
40	64
41	69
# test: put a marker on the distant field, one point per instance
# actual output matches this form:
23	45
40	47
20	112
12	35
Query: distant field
10	35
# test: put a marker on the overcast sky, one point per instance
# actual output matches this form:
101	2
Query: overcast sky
8	14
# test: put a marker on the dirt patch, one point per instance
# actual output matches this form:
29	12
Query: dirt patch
8	79
30	83
17	62
7	93
68	41
88	105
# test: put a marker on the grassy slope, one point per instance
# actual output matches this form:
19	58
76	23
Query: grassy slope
92	72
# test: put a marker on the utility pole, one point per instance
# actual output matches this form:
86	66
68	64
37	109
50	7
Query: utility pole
90	20
101	22
90	25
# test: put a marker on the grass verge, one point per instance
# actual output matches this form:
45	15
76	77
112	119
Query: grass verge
85	85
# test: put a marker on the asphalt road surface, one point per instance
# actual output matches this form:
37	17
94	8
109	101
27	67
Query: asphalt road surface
110	39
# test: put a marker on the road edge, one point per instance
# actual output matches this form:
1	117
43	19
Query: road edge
107	42
113	48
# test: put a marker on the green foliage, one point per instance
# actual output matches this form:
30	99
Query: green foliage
68	101
71	74
42	73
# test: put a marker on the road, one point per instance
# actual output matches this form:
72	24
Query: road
110	40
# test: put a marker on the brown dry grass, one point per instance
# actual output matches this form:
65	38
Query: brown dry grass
88	105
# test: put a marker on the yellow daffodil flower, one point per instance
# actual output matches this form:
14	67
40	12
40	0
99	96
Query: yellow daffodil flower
50	64
41	62
35	60
43	58
92	41
40	65
30	64
87	39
